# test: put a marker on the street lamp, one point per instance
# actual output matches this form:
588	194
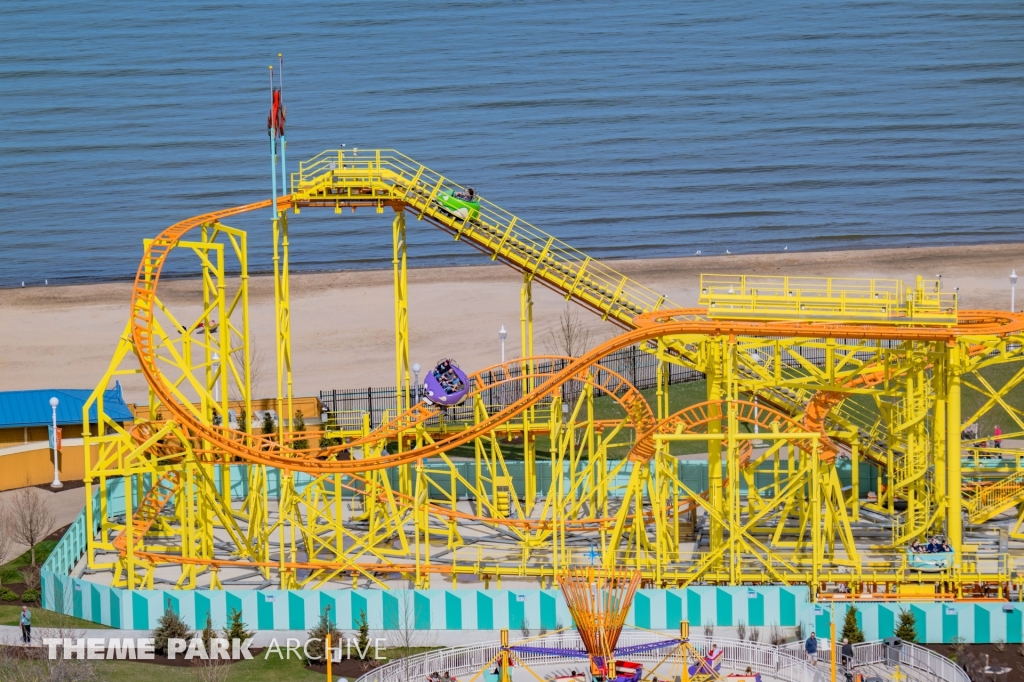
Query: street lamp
56	474
1013	289
502	334
216	381
416	374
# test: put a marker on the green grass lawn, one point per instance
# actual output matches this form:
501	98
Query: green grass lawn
256	670
260	669
10	573
10	613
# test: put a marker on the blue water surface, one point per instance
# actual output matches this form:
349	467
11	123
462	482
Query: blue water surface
629	129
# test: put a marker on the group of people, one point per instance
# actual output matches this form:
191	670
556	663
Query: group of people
438	677
971	433
468	195
935	545
845	651
447	377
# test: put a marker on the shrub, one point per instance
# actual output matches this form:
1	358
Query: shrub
299	426
315	645
208	634
268	424
363	638
8	595
907	628
236	628
30	596
170	626
851	630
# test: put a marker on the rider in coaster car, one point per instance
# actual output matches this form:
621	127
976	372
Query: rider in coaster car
468	195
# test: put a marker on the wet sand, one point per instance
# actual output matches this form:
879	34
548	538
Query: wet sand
343	322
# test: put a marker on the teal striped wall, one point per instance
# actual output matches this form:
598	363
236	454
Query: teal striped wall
470	609
463	609
976	622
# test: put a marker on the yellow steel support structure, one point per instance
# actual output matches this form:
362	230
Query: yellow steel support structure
816	390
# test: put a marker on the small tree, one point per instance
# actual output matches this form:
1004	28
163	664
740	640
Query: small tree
243	420
315	646
571	337
907	628
299	426
741	630
852	631
208	634
236	627
31	520
268	424
363	638
170	626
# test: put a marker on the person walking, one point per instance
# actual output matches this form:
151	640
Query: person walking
811	648
846	653
997	436
26	625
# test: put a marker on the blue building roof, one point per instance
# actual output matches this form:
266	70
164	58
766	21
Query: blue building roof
32	408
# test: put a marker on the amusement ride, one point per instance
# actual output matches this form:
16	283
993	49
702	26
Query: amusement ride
806	378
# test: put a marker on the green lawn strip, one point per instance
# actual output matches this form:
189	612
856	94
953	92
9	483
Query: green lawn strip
10	573
262	668
10	615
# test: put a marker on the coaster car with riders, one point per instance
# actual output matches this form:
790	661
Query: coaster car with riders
446	385
462	204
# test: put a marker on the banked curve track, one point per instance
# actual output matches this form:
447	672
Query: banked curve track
646	326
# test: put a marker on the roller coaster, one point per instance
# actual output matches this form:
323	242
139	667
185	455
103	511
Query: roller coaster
806	378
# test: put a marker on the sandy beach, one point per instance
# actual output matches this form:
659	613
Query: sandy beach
343	322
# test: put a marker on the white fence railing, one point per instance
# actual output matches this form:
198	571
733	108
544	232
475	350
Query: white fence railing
912	656
463	662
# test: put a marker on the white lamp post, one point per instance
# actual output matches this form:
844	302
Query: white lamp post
1013	289
56	474
502	334
216	380
416	374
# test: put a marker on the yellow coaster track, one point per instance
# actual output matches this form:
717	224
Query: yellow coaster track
370	506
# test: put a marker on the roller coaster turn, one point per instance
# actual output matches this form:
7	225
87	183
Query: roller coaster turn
808	381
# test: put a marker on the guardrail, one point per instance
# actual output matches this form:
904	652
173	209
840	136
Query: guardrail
912	656
783	664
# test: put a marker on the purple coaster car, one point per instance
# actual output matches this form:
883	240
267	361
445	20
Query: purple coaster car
446	385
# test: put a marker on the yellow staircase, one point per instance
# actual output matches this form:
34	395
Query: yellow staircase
149	509
382	178
989	501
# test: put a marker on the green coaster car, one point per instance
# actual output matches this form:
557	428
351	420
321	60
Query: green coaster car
458	206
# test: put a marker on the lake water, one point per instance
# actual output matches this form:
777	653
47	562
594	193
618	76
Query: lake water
628	129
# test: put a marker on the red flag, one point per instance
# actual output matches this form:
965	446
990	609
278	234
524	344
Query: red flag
275	121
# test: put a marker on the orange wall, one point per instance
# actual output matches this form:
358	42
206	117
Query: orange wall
310	407
37	433
36	466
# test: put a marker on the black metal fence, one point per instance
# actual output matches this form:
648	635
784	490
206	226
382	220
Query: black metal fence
634	365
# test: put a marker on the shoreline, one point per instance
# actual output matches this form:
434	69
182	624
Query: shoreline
62	336
612	262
